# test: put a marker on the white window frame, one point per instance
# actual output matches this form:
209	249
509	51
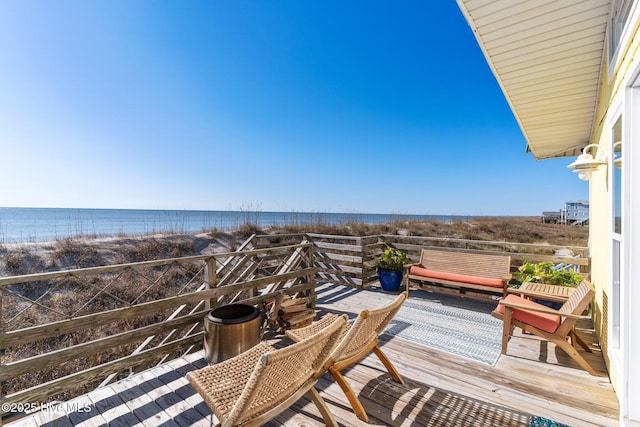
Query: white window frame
615	347
631	245
623	359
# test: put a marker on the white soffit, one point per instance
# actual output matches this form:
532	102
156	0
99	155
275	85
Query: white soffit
546	56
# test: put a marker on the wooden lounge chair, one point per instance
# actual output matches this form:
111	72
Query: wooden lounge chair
259	384
556	326
357	341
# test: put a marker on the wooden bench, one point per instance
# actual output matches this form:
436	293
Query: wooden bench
485	273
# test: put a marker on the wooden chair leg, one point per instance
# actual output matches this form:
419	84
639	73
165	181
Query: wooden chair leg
575	339
568	348
506	328
358	409
327	416
387	364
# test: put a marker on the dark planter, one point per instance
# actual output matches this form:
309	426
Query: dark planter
550	304
390	280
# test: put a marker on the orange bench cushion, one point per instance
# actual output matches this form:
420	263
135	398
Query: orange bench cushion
546	322
461	278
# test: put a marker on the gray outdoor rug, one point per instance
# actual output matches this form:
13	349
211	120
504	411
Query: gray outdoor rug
457	325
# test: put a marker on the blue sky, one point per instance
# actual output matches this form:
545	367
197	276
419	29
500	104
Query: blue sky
331	106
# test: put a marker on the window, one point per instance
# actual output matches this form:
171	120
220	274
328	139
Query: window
620	12
616	149
615	296
616	228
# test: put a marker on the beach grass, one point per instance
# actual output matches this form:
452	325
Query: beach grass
82	252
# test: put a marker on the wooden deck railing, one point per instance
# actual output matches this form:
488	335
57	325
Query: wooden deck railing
64	333
349	260
519	252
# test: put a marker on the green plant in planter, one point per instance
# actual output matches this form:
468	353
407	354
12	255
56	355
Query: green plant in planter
543	272
392	259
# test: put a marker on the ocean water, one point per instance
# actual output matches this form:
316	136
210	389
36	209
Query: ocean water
43	224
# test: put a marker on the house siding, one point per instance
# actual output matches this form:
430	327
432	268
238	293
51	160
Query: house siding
611	88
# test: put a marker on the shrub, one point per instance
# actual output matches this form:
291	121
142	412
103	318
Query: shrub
392	259
247	229
70	253
543	272
14	262
22	262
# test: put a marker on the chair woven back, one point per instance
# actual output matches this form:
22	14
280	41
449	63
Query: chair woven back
366	328
576	304
280	373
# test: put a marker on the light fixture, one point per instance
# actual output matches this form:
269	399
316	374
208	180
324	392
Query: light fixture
617	160
586	163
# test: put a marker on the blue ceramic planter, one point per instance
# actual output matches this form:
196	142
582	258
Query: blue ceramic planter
550	304
390	280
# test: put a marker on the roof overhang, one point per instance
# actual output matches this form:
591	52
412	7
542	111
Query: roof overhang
547	57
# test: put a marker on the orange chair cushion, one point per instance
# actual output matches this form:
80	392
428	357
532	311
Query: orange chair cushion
461	278
546	322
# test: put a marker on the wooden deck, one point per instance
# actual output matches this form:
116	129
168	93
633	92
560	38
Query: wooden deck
441	389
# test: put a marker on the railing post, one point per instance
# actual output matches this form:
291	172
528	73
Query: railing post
211	280
312	276
365	252
363	271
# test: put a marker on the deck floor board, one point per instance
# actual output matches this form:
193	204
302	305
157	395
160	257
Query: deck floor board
441	389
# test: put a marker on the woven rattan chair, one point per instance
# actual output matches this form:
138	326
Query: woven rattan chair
257	385
556	326
357	341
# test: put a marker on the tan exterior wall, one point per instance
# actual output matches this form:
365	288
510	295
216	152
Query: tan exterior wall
599	195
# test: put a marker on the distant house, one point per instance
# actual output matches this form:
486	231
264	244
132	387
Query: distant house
574	212
553	217
577	211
